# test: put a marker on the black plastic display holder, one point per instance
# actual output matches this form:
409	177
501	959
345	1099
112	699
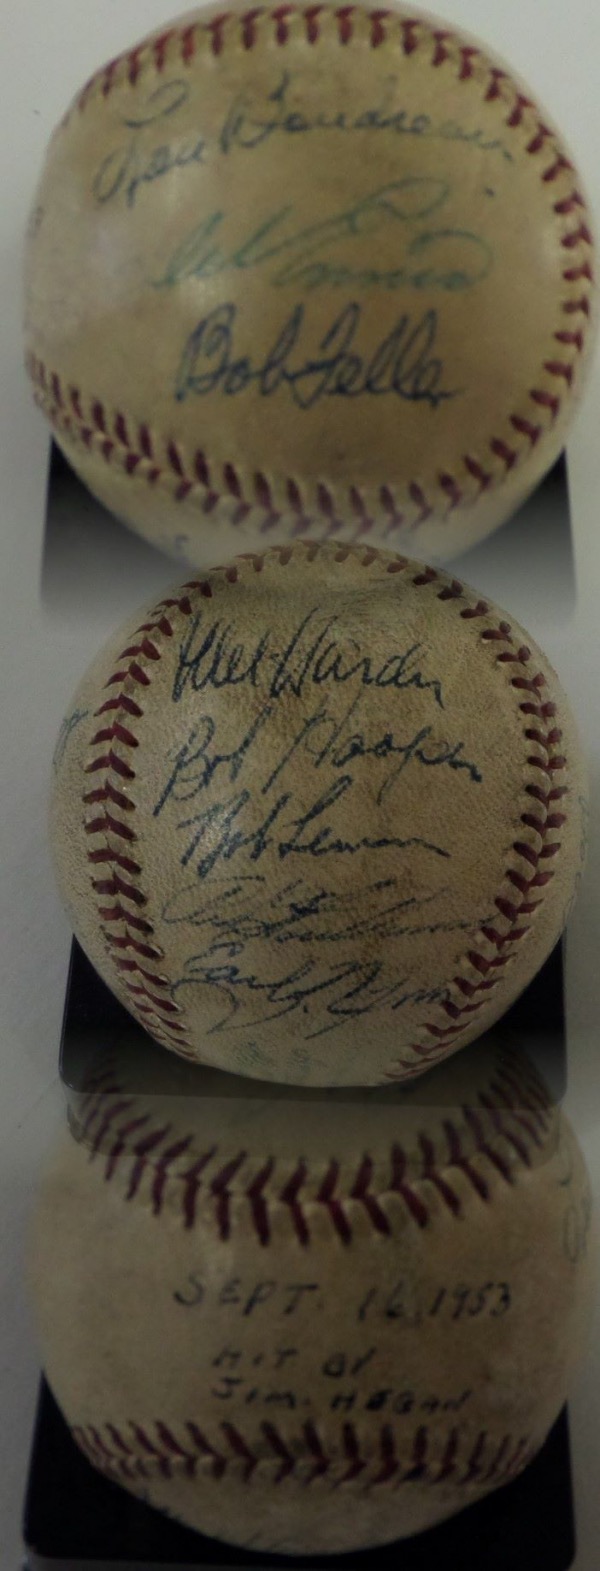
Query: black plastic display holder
76	1520
94	1020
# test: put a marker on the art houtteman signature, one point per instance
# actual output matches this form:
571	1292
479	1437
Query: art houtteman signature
403	365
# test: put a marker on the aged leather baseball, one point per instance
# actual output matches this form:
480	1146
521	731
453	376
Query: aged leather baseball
320	816
308	271
312	1322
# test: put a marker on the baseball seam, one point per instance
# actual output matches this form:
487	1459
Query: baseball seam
141	1451
84	419
501	1135
117	875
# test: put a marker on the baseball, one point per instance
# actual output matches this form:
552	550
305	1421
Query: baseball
308	271
320	816
314	1322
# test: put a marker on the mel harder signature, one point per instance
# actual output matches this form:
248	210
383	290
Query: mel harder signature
212	655
403	365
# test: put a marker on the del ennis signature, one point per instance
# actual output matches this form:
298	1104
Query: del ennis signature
249	124
442	258
403	365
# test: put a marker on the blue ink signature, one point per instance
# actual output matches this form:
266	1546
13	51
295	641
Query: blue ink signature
246	908
128	168
212	656
448	259
198	761
248	126
346	990
404	365
216	833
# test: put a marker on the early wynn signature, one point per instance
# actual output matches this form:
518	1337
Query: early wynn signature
345	990
403	365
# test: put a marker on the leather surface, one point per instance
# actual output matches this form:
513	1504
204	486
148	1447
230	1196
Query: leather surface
321	273
319	817
306	1324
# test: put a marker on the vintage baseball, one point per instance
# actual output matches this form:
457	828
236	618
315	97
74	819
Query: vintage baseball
320	816
310	1323
309	271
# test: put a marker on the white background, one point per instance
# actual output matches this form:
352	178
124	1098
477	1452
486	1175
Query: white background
49	47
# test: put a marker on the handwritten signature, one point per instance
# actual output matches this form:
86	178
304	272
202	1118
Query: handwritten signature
69	726
403	365
345	990
212	655
249	123
327	740
447	258
223	829
128	168
247	907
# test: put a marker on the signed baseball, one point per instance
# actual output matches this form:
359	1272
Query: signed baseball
321	817
308	271
306	1322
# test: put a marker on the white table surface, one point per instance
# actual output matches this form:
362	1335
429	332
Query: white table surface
49	47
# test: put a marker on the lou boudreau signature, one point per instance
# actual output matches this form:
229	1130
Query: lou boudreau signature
403	364
251	121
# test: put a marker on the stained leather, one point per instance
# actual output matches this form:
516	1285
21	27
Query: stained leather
313	274
306	1323
319	817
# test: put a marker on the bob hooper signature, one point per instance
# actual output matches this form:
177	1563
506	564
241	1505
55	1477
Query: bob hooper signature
404	364
447	259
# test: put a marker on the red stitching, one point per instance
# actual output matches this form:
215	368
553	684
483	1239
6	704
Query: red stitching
443	48
322	508
115	1450
513	913
240	1449
514	1112
148	989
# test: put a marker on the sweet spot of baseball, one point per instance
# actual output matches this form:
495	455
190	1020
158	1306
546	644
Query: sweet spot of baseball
319	816
309	272
314	1322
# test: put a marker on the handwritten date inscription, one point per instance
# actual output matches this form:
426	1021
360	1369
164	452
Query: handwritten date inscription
272	1373
248	1299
